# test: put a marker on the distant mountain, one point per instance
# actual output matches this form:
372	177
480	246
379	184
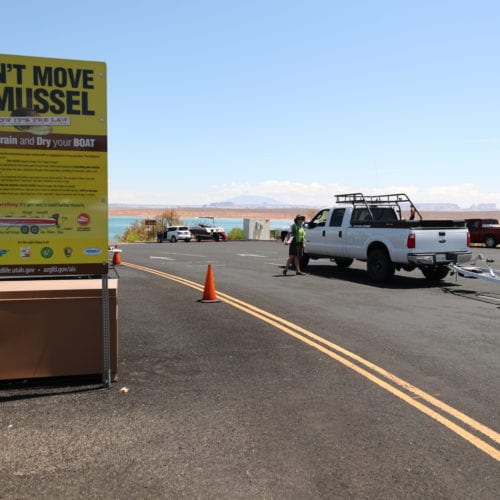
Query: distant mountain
484	206
439	206
250	201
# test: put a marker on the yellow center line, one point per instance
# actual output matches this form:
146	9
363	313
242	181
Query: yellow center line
341	355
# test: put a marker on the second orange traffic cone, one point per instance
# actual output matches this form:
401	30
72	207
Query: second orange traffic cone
209	294
117	258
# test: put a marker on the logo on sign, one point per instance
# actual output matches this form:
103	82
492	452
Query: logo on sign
83	219
92	251
46	252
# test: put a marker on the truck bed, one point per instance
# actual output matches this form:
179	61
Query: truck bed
416	224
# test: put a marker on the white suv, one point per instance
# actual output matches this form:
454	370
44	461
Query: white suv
175	233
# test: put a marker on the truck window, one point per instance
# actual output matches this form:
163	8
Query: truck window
490	222
320	218
361	215
337	217
386	214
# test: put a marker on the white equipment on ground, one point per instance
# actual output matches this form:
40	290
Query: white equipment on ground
475	270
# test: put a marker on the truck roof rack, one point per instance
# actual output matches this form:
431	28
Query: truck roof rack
392	200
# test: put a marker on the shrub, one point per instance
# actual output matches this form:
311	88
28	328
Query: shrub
276	234
169	217
235	234
138	231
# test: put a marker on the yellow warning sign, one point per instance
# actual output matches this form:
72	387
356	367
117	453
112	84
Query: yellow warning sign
53	167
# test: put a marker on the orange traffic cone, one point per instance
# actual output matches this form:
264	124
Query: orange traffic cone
209	294
117	259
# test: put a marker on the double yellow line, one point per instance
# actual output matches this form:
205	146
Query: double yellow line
434	408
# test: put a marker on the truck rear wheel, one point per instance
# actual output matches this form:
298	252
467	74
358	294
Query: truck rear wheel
379	266
489	241
435	273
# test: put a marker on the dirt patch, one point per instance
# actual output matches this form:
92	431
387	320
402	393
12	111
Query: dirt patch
277	213
218	213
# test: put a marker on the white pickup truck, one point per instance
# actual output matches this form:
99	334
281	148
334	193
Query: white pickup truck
371	229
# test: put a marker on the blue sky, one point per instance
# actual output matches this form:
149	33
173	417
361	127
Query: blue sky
294	100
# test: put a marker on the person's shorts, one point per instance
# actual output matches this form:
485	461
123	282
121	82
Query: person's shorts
296	249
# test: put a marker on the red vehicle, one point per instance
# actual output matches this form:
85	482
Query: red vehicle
485	231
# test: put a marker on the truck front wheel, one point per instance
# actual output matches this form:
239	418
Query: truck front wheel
489	241
379	266
435	273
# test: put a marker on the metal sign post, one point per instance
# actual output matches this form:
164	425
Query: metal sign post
106	373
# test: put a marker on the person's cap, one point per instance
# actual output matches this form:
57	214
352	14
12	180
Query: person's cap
300	217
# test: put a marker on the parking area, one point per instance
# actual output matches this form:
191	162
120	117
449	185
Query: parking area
237	399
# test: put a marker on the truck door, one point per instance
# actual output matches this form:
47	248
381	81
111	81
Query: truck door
316	232
474	227
334	241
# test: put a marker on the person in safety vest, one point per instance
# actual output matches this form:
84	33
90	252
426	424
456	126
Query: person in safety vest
295	241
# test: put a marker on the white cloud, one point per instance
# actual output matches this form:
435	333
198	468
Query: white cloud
319	194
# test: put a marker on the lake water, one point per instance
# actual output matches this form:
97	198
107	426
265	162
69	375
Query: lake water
118	223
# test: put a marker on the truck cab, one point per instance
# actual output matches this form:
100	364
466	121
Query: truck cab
325	232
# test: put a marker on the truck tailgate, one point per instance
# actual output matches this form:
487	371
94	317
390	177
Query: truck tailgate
440	240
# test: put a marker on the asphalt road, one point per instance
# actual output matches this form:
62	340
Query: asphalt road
316	386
